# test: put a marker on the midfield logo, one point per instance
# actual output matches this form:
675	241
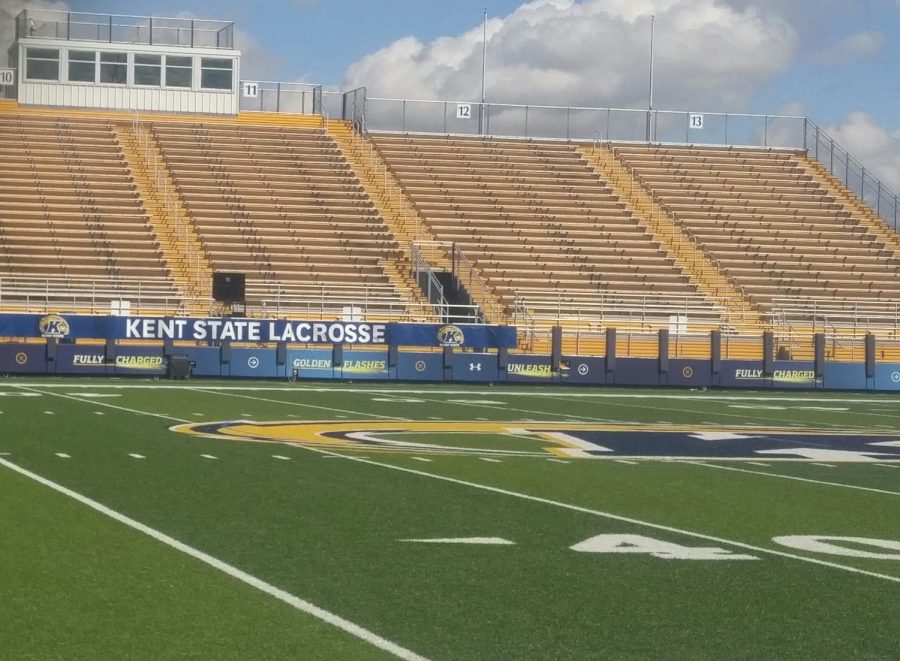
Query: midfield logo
573	440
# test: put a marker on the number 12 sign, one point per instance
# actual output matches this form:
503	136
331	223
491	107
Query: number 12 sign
463	111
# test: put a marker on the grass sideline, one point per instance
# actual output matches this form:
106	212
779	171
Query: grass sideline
326	522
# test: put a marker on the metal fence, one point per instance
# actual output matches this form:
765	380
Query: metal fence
124	29
631	125
585	124
868	188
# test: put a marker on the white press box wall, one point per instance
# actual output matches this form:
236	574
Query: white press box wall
128	96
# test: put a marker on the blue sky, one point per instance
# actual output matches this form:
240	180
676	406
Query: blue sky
833	60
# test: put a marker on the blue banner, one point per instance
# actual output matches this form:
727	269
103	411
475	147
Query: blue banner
637	372
582	370
480	367
310	363
139	361
18	358
364	365
887	376
528	369
256	362
692	372
420	366
228	329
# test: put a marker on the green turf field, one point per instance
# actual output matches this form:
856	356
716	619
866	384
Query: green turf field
239	520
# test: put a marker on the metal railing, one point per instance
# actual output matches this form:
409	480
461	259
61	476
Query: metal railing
125	29
39	295
289	98
583	123
171	206
445	252
428	282
850	172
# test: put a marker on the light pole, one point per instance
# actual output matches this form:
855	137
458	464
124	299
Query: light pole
483	70
650	97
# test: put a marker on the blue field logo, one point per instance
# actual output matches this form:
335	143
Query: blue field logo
570	440
450	336
53	326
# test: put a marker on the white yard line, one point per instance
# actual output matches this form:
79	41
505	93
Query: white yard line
798	479
289	403
254	582
568	506
106	404
625	461
493	392
609	515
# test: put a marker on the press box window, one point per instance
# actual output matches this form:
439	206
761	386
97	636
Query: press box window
178	71
215	73
42	63
148	70
114	68
82	65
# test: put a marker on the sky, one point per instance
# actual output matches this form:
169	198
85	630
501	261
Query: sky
834	61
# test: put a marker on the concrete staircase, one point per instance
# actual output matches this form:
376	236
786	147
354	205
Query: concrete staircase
687	255
178	239
396	211
858	209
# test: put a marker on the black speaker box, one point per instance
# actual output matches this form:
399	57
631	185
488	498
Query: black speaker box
870	355
610	349
715	351
663	351
819	353
179	367
555	347
768	353
229	287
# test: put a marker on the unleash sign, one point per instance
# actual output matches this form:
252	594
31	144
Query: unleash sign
218	329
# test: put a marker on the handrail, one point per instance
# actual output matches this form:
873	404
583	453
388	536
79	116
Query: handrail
171	206
466	273
432	287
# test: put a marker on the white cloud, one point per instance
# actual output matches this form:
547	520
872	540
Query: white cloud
708	55
9	9
876	147
855	47
257	62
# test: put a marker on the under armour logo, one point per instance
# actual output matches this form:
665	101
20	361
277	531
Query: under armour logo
474	367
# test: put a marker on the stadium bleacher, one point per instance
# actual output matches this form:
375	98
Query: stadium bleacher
768	224
542	228
70	214
282	205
